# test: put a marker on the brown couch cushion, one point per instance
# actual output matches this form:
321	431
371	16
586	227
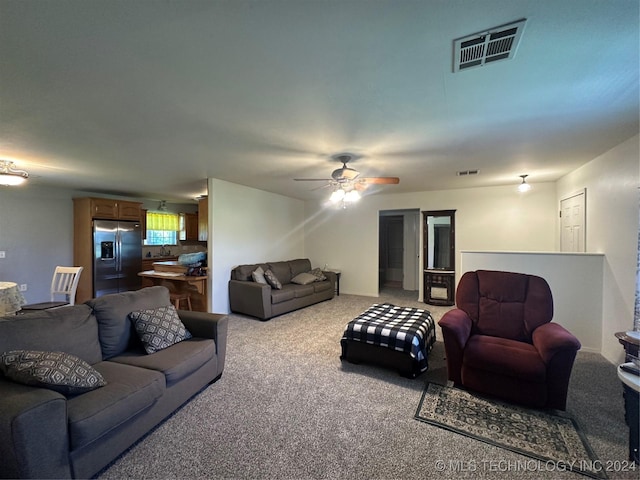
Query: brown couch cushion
129	391
299	266
112	311
176	362
282	270
72	329
505	304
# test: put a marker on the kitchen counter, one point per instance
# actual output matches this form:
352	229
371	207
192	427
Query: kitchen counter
147	262
177	282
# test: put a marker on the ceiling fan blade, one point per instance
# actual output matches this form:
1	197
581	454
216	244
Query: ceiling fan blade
379	180
312	179
321	187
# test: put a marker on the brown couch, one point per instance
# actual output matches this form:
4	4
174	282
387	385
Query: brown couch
47	434
263	301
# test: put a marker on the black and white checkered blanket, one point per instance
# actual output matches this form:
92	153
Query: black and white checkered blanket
405	329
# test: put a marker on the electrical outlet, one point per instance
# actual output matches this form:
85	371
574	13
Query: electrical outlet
23	287
2	254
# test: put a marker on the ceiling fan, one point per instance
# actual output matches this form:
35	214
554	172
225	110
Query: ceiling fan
348	178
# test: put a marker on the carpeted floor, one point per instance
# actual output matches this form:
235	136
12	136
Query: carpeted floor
287	408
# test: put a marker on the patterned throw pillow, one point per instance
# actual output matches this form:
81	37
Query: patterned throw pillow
59	371
258	276
272	280
318	274
159	328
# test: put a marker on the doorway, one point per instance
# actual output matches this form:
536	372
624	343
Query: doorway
399	249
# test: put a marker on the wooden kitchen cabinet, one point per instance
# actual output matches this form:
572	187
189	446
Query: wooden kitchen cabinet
203	219
110	209
191	226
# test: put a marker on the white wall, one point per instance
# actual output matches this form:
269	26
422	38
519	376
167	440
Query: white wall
36	232
487	218
575	280
611	183
248	226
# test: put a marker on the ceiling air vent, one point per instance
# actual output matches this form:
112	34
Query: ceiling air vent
499	43
464	173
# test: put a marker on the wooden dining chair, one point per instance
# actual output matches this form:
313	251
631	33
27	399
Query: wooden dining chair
64	284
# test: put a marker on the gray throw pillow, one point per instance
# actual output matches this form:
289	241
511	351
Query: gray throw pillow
304	278
316	272
59	371
159	328
258	276
272	280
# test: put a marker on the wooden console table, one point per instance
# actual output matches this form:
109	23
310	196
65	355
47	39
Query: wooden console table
443	280
196	286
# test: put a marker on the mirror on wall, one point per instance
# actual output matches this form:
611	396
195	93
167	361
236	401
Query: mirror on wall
439	256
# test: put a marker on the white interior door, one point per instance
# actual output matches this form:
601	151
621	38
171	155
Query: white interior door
572	223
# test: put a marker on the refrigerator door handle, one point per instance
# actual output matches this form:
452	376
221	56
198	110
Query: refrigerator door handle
118	252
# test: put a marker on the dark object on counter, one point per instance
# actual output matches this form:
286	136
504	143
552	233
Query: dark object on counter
195	271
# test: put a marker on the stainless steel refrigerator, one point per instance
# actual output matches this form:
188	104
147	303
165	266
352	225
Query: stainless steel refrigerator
117	256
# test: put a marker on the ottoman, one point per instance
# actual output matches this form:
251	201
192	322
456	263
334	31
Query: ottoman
391	336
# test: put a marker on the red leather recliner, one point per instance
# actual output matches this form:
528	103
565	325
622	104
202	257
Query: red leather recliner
500	340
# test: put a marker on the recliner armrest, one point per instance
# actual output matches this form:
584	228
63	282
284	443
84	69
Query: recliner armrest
456	325
456	329
552	338
558	349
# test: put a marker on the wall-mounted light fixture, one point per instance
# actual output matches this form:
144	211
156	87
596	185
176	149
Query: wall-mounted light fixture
9	175
524	186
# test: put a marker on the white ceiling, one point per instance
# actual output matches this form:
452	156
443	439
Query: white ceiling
149	98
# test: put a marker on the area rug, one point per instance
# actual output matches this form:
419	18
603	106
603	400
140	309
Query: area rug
554	442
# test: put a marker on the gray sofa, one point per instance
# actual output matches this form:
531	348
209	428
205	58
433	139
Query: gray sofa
263	301
46	434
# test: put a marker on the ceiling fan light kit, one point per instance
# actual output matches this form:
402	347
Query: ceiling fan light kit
9	175
345	182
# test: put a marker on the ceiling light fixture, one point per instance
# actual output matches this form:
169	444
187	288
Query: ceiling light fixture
524	186
344	194
9	175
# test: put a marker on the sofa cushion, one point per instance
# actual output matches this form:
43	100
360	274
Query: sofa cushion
504	357
58	371
129	391
299	265
112	311
287	293
302	291
243	272
71	329
282	270
159	328
322	286
272	280
258	276
175	362
304	278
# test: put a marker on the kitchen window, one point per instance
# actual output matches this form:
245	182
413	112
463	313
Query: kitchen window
162	228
